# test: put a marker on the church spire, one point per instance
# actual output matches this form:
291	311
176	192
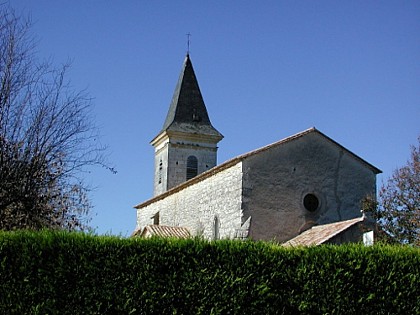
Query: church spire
187	112
187	144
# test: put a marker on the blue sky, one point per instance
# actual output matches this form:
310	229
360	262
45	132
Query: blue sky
266	69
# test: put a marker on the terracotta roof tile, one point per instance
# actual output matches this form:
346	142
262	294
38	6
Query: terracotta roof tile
320	234
163	231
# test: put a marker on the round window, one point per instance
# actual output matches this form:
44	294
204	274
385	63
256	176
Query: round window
311	202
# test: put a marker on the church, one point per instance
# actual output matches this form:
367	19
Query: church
305	189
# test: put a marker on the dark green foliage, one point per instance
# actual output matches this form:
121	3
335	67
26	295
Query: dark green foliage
74	273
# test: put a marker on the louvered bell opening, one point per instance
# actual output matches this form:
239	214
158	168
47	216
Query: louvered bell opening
192	167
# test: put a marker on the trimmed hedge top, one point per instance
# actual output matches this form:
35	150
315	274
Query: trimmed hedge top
73	273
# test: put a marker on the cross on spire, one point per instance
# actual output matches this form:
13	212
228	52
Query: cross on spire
188	42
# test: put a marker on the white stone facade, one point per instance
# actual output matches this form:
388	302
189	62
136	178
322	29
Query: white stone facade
210	207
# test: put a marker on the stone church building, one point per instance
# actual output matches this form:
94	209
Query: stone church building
304	189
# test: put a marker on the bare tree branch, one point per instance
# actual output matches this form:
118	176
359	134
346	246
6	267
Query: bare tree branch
47	138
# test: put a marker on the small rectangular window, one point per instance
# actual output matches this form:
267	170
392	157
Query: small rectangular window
156	218
160	172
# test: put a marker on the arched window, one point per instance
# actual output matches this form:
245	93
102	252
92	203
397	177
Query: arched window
192	167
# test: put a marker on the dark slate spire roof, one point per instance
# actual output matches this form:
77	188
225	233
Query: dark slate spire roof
187	112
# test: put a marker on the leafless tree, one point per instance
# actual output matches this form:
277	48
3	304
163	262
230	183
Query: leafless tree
47	137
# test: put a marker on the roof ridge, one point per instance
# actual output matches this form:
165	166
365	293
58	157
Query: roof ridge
243	156
337	222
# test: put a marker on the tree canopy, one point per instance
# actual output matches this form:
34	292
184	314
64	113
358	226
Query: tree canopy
398	208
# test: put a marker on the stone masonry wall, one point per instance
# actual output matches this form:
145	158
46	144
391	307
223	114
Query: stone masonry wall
171	163
197	206
160	174
277	180
177	161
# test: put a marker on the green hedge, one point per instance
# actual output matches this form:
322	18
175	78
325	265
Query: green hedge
71	273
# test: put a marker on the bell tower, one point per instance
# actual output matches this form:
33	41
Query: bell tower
187	144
